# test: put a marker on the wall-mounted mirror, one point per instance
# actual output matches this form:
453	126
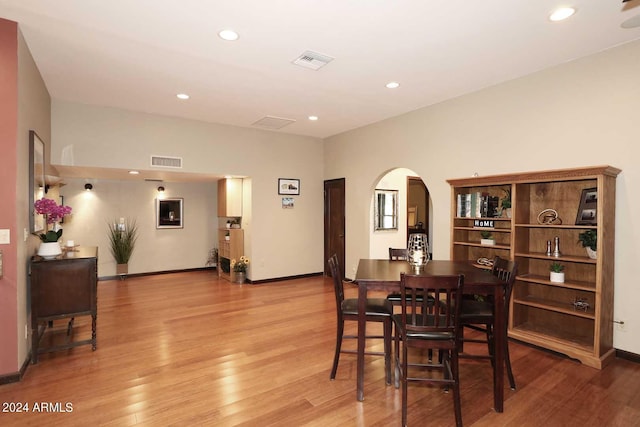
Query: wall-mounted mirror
169	213
386	210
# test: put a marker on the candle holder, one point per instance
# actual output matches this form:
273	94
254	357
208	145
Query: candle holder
418	250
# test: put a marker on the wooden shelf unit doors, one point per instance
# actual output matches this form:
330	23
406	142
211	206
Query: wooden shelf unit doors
542	312
229	249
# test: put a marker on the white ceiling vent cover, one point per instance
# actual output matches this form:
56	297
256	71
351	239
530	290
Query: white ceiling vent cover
271	122
166	162
312	60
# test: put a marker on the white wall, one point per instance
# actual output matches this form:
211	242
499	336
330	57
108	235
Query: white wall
281	242
581	113
156	249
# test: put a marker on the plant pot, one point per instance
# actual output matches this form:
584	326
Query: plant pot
488	242
226	237
506	212
49	250
556	277
122	269
592	254
240	277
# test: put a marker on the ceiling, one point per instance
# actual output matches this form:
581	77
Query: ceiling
138	55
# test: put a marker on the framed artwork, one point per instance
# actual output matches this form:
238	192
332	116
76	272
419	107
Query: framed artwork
287	203
587	211
289	186
169	213
36	180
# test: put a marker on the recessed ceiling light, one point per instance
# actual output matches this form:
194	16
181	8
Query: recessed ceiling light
133	172
182	96
228	35
313	118
393	85
562	13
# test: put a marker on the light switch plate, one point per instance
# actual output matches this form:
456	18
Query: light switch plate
5	236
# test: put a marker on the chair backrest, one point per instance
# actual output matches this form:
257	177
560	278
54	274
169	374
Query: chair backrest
505	270
424	316
338	287
397	254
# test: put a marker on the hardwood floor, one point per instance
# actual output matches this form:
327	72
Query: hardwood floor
187	349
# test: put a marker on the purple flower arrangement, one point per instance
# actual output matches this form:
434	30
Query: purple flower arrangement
52	213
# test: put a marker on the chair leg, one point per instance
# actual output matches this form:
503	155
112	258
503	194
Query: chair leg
507	361
388	329
404	386
456	388
397	371
336	357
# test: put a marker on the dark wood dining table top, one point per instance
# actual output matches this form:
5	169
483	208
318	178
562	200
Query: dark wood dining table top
386	273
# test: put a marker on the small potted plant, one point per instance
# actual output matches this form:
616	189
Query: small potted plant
240	269
506	203
487	238
556	273
589	240
227	236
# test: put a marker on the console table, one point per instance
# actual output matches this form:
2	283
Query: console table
63	288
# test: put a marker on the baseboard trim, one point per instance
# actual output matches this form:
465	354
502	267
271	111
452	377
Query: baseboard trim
279	279
153	273
16	376
627	355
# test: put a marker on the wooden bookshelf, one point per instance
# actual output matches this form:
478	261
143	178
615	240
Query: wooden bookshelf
542	312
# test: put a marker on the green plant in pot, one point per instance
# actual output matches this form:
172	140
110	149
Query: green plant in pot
122	240
556	272
589	240
506	202
487	238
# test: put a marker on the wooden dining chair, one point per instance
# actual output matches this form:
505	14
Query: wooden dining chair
397	254
422	326
478	314
377	310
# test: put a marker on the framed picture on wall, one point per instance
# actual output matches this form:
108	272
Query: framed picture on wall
289	186
587	211
36	180
169	213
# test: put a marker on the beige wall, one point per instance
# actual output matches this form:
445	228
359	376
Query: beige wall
156	249
578	114
281	242
34	113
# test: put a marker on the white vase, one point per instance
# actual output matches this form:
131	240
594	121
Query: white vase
488	242
49	250
592	254
556	277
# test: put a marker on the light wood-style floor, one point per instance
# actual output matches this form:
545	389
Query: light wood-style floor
187	349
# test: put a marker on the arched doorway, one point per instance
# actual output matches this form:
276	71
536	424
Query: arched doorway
413	211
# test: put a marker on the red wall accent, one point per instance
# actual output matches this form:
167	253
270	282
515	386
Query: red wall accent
8	183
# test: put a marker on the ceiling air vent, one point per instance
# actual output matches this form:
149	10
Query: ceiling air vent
271	122
312	60
166	162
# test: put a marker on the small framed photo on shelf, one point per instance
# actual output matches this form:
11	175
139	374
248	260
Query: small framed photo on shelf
587	211
289	186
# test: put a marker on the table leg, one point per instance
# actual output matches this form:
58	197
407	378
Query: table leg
499	342
362	324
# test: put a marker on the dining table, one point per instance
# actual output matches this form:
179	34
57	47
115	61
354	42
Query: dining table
383	274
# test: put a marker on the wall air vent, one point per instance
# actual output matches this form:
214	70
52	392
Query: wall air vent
271	122
166	162
312	60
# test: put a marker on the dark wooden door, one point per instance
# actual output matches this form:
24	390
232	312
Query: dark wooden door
334	212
